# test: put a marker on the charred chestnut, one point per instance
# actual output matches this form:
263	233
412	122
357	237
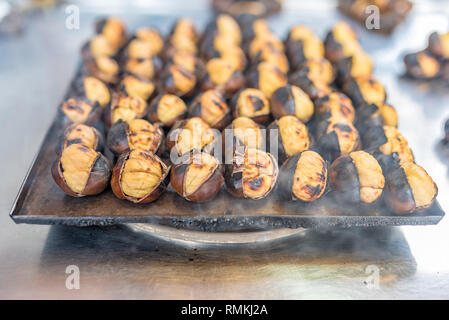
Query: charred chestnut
81	171
357	178
422	65
139	176
188	62
94	90
126	108
388	145
313	86
103	67
79	110
114	30
303	177
302	45
211	106
291	100
242	133
146	68
263	40
135	134
153	38
98	46
81	134
409	189
222	76
267	78
183	38
178	80
359	64
167	109
191	134
376	114
251	103
439	44
336	138
253	174
340	42
135	86
336	106
364	91
199	178
292	137
271	54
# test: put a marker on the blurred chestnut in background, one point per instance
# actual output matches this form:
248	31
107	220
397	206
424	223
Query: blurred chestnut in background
79	110
272	55
291	100
303	177
103	67
337	138
81	171
188	62
135	134
178	80
439	44
422	65
152	37
133	85
357	178
183	38
98	46
359	64
146	68
125	107
191	134
336	106
292	137
199	178
79	133
251	103
222	76
364	91
139	176
409	189
253	174
302	45
211	106
113	29
167	109
266	77
339	41
93	89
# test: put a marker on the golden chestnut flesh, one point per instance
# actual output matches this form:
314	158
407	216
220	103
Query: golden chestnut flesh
252	103
291	100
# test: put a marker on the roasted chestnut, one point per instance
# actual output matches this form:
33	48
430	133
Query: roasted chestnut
313	86
357	178
235	56
135	134
267	78
153	38
191	134
364	91
199	178
94	90
188	62
251	103
252	26
422	65
439	44
178	80
292	137
167	109
318	69
98	46
242	133
183	38
248	7
302	45
139	176
388	145
336	138
146	68
125	107
138	49
211	106
263	40
79	110
135	86
378	114
252	174
409	189
102	67
359	64
81	134
227	27
114	30
340	42
303	177
291	100
271	54
81	171
336	106
220	75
